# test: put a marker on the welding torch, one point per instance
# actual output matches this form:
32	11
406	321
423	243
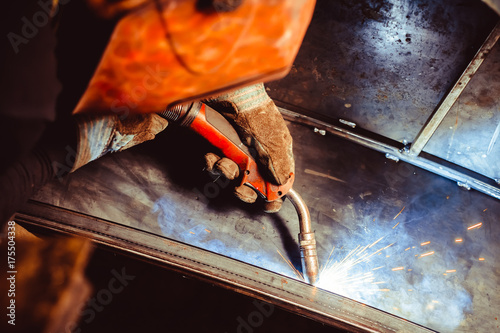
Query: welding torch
218	131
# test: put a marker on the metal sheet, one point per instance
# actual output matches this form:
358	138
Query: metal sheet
298	296
383	64
437	117
469	135
360	204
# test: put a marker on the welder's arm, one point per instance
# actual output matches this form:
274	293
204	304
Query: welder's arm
262	128
96	136
99	134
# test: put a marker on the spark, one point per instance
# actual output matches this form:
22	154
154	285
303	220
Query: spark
407	249
425	243
324	175
379	282
291	265
398	268
410	289
328	260
395	225
208	231
451	271
395	217
427	254
358	278
362	250
339	276
478	225
481	259
388	246
459	240
485	210
376	242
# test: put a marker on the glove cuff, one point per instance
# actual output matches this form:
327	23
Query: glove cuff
102	134
244	99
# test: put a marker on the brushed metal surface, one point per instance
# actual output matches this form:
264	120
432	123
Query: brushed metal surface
451	97
469	134
383	64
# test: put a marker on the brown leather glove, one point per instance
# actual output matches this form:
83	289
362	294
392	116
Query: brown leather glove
261	127
99	134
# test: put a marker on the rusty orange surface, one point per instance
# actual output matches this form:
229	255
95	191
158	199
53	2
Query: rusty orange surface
168	52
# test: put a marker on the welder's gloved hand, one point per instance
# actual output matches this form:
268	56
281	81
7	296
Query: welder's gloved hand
262	128
99	134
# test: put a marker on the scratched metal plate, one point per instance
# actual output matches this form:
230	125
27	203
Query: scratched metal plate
383	64
391	236
469	135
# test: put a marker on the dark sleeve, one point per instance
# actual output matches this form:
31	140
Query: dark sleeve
28	81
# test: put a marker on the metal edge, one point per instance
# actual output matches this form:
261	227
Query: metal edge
292	295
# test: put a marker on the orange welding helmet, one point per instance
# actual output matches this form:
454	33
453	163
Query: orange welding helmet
167	52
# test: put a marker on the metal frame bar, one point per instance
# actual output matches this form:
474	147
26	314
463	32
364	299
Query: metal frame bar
295	296
437	117
396	153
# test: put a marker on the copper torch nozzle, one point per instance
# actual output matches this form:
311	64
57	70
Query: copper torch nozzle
307	240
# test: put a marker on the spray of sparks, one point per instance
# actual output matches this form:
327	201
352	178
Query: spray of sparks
359	273
339	276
